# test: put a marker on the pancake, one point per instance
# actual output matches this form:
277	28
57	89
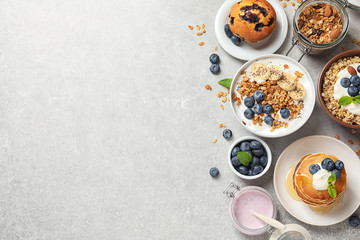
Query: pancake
303	181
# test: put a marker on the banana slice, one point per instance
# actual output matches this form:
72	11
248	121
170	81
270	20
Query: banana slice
298	93
275	72
259	71
287	82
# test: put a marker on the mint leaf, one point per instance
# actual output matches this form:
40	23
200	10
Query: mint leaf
356	99
345	100
332	190
332	177
245	158
225	82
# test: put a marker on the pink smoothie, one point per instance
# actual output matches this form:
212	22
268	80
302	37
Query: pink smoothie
252	200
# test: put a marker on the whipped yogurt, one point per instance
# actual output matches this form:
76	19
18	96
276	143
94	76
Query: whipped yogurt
320	179
340	91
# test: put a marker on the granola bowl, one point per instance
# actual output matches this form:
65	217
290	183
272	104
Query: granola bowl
330	89
272	95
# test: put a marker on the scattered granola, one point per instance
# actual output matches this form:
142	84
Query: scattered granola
220	94
208	87
292	3
191	27
353	130
337	137
320	22
222	107
350	141
215	140
222	125
358	142
284	5
358	151
299	1
223	99
201	43
216	48
343	48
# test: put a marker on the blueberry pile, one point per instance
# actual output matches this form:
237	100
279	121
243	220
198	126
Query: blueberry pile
215	60
254	106
234	39
258	161
352	84
330	165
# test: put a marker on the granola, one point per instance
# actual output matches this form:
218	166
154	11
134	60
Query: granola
320	22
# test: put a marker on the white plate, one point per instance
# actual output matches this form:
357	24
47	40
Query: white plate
309	100
316	144
246	50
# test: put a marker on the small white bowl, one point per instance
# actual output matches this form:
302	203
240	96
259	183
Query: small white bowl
268	152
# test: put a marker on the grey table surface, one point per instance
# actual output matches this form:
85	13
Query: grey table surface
106	129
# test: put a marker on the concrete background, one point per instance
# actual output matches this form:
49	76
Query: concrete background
106	129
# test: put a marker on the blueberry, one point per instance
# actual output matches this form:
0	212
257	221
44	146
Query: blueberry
235	161
258	152
268	109
258	109
248	151
285	113
269	120
249	113
255	162
227	133
263	161
358	68
354	221
245	146
250	173
235	151
214	172
339	165
257	169
214	58
337	173
249	102
255	145
353	91
235	40
355	80
215	68
314	168
259	95
227	30
345	82
327	164
243	170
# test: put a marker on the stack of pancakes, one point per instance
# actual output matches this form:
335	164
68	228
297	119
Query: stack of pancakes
303	182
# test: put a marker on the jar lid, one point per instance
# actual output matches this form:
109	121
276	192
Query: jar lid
291	232
353	4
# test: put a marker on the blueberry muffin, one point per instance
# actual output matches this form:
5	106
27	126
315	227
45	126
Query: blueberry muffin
252	20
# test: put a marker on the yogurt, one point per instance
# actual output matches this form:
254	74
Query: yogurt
320	179
340	91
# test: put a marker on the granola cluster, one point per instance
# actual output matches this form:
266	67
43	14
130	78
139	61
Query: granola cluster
274	96
327	94
320	22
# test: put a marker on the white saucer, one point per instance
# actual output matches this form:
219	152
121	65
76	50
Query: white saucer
316	144
246	50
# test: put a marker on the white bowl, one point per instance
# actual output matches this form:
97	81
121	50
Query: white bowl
268	152
309	100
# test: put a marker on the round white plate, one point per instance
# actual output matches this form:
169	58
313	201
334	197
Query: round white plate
309	100
246	50
317	144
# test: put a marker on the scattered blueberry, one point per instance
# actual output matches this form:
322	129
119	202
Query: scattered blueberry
227	30
249	102
249	113
258	152
227	133
345	82
354	221
255	161
314	168
235	161
259	95
245	146
358	68
235	40
235	151
328	164
215	68
255	145
243	170
355	80
285	113
337	173
339	165
269	120
263	161
257	169
214	58
214	172
268	109
353	91
258	109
